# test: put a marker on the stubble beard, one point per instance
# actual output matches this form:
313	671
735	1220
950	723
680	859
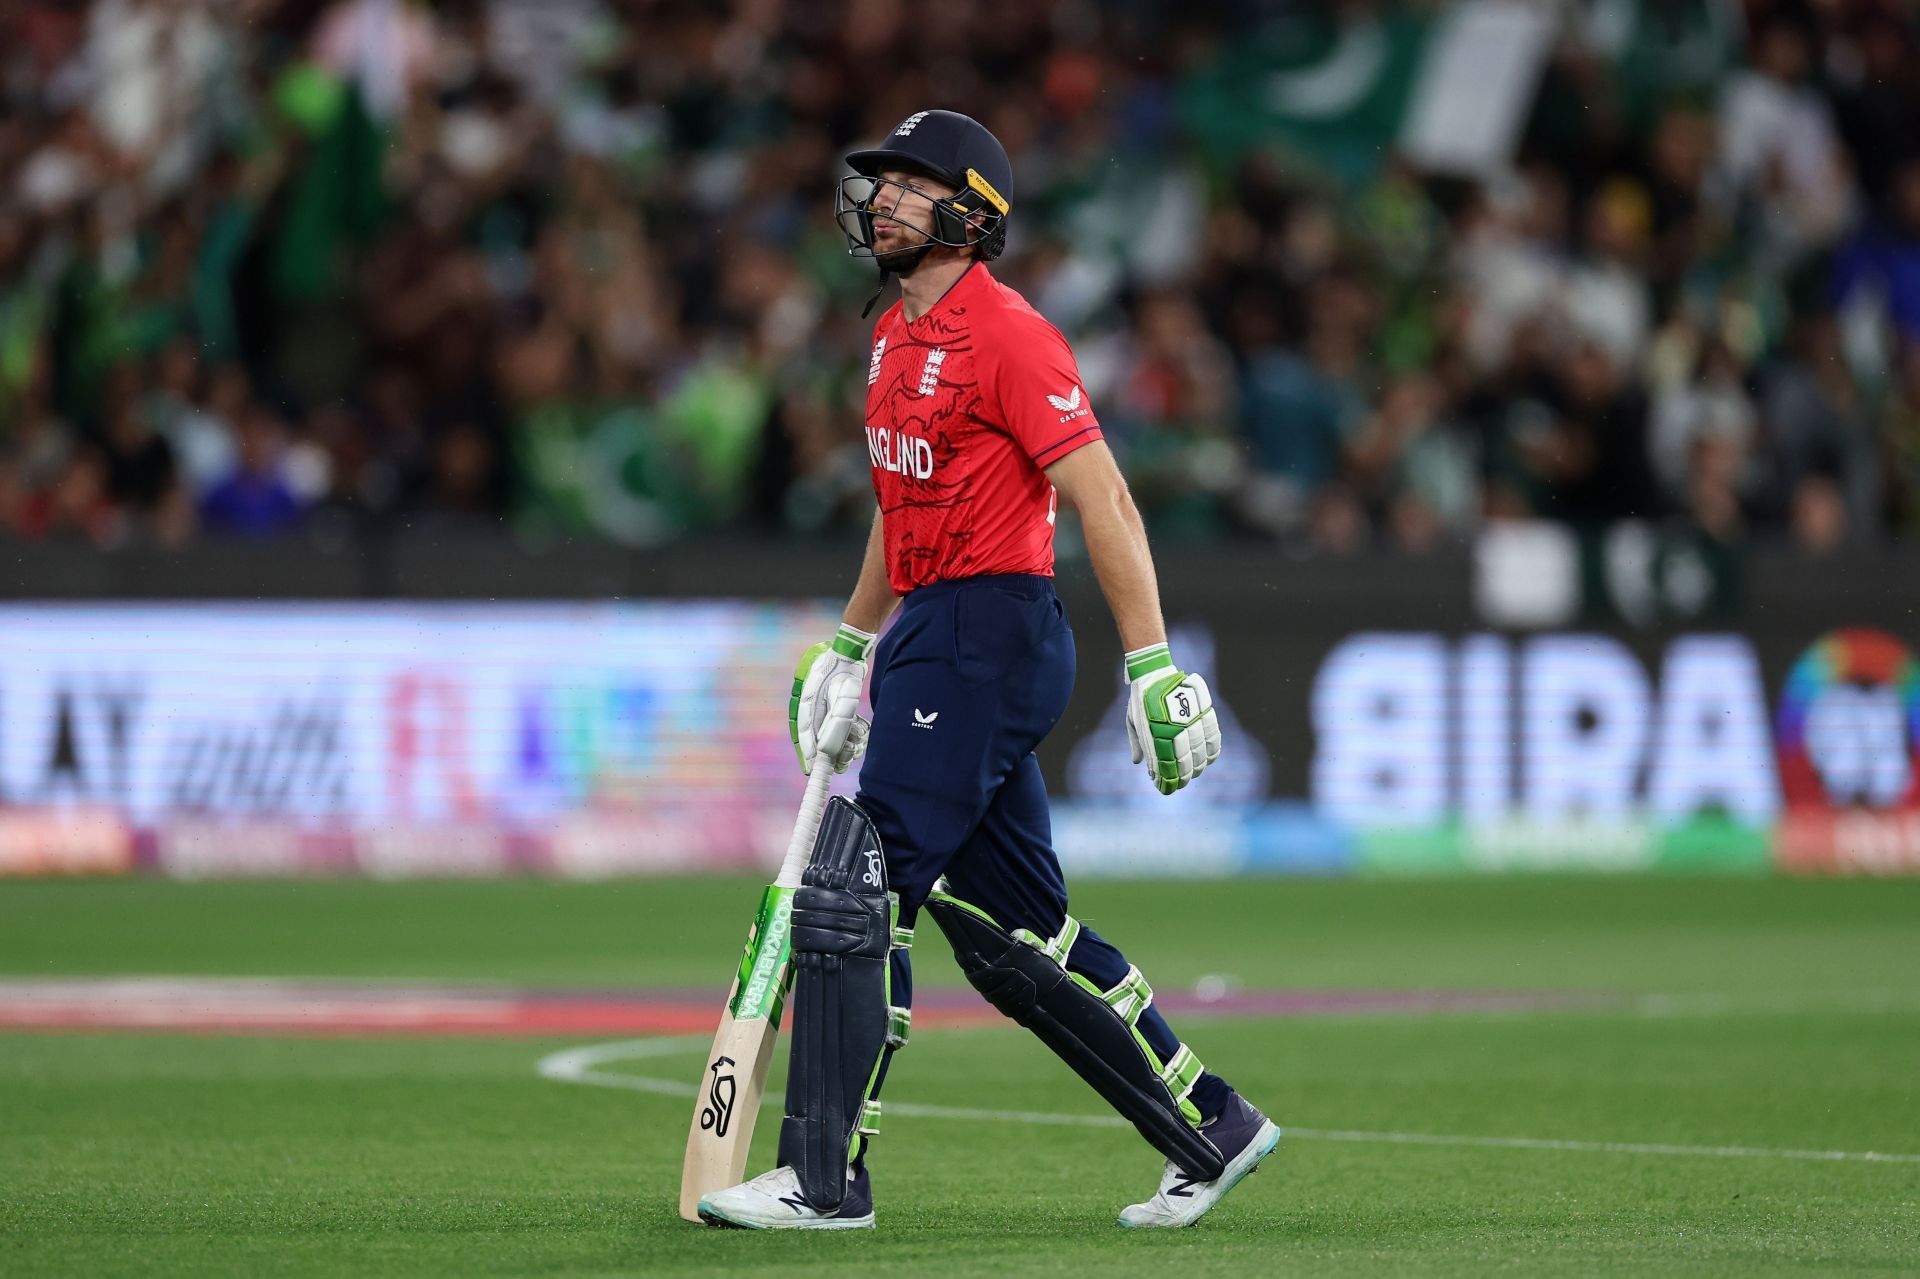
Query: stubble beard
906	259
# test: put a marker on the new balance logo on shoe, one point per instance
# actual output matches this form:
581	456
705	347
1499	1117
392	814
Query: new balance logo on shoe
1182	1188
924	720
797	1203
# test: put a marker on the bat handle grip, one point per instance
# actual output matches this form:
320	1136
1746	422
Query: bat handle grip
806	828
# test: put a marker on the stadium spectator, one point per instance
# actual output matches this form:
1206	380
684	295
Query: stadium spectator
199	413
74	504
1415	469
142	476
1902	444
1825	458
1711	407
1778	148
255	498
1883	260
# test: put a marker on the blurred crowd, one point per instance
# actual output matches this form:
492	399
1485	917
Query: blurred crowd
565	268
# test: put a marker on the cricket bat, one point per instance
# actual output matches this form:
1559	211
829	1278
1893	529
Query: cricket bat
728	1101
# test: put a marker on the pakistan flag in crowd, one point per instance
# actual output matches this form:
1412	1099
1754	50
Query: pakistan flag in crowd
1448	85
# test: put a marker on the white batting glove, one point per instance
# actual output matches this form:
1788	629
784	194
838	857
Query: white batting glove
823	714
1170	721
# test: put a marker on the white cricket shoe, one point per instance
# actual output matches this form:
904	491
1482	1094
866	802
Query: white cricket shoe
1244	1136
772	1201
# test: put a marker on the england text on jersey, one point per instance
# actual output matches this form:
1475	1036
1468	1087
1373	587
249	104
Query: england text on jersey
899	452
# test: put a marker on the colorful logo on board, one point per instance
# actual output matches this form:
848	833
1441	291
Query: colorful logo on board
1848	732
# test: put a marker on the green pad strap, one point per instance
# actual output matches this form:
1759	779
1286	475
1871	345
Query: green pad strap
1055	948
1131	997
900	938
940	894
1180	1075
898	1022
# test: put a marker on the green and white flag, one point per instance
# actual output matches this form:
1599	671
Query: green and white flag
1450	90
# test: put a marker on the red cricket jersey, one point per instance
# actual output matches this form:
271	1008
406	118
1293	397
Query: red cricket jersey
965	406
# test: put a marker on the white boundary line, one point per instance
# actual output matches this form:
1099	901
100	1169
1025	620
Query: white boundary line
579	1066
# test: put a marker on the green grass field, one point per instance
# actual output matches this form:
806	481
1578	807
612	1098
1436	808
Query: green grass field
1794	1026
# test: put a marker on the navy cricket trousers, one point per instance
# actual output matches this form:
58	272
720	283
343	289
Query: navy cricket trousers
973	675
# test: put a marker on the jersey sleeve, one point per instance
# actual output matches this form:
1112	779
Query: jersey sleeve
1041	399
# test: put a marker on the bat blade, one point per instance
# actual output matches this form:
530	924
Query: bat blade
728	1104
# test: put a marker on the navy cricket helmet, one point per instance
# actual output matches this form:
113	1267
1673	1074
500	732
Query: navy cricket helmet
954	148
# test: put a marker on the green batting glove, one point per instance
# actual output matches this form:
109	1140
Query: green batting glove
823	713
1171	725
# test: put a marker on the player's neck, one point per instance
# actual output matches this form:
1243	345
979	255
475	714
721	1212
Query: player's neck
922	291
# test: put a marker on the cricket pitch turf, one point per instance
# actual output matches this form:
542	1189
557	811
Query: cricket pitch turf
1564	1076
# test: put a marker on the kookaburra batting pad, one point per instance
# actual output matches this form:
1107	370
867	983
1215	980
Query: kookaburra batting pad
1025	977
842	931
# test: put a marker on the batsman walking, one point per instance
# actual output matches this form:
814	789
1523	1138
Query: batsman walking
976	423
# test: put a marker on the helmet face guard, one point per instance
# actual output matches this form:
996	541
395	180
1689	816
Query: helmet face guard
860	201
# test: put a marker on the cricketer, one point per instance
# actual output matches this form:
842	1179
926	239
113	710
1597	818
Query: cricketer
976	423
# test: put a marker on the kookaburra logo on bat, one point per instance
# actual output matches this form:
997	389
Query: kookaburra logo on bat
718	1112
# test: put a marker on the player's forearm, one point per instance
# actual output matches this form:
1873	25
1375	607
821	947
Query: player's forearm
1117	546
873	599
